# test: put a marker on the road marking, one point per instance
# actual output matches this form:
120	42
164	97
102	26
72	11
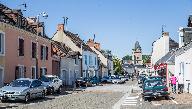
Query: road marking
174	101
156	104
140	99
130	101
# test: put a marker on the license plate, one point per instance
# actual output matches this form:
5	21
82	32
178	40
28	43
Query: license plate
9	95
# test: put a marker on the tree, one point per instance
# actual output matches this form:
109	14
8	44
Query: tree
127	57
117	65
146	59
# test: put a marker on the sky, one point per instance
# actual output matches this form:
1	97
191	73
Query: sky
117	24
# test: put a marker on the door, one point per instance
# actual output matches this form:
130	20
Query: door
63	76
1	77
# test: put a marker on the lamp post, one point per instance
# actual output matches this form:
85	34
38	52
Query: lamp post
43	14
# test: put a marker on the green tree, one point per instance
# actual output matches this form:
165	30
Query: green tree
127	57
117	65
146	58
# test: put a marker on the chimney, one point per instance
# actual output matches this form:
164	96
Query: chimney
97	46
60	27
165	33
90	43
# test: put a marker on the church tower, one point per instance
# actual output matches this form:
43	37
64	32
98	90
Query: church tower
137	54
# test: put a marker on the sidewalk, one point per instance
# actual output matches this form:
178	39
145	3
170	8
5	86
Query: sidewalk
184	98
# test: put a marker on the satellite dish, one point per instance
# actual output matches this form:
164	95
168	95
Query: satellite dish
45	15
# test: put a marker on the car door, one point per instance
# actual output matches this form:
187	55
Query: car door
39	88
33	90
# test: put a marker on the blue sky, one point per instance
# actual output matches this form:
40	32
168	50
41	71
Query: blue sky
116	23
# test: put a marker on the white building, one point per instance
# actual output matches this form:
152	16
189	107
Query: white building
183	58
89	57
161	47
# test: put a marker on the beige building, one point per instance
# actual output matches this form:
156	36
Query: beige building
137	54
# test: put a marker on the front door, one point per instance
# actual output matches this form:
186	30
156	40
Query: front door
63	76
1	78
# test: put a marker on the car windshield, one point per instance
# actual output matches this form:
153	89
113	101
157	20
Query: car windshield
20	83
46	79
153	83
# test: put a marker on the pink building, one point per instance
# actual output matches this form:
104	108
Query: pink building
20	44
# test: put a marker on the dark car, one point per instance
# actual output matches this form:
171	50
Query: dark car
80	82
95	80
154	89
140	79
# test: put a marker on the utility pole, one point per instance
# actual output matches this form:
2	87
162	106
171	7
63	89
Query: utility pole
65	21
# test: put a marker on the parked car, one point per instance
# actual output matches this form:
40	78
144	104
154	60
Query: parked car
124	78
80	82
106	79
117	80
52	83
23	89
88	81
95	80
140	79
154	88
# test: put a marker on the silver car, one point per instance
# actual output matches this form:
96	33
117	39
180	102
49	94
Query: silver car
23	89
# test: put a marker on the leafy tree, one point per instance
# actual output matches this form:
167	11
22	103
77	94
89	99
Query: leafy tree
146	58
127	57
117	65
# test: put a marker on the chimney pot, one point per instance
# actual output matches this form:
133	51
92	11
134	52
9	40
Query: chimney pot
60	27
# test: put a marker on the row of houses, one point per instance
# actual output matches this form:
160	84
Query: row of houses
26	51
170	57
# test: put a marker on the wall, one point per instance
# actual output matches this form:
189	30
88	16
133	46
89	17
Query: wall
89	66
183	65
160	48
68	64
12	59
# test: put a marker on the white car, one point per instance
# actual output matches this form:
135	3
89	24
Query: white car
52	83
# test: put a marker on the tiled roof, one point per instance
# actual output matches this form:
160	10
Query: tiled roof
78	41
168	58
16	18
173	44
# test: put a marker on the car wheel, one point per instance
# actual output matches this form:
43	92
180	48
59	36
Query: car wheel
167	97
3	101
52	91
27	97
43	94
59	90
145	98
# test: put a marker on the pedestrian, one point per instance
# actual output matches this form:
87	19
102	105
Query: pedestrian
173	80
180	83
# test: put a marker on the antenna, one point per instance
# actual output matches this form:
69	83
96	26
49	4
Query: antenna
25	6
162	28
94	38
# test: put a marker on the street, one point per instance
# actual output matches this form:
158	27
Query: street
105	96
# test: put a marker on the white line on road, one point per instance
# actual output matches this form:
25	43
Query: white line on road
130	100
129	104
174	101
156	104
132	97
140	99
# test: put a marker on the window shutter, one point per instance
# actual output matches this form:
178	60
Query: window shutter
45	71
41	52
47	53
16	72
41	71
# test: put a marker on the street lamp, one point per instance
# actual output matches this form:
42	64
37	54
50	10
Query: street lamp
44	15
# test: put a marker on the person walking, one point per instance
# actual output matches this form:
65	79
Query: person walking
180	83
173	83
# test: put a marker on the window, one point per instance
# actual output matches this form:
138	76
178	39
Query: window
44	52
95	61
43	71
2	43
34	50
76	60
20	72
85	56
21	47
90	60
34	75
